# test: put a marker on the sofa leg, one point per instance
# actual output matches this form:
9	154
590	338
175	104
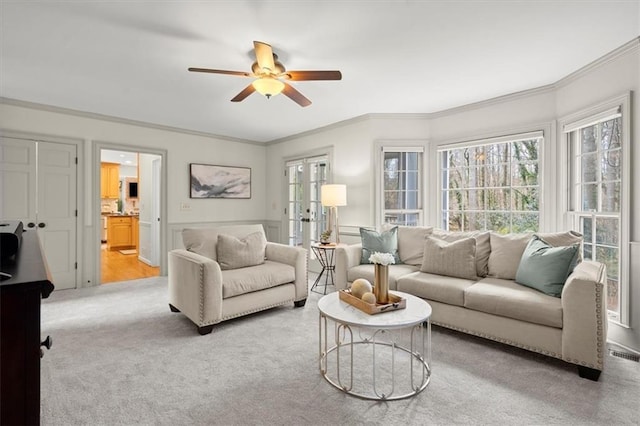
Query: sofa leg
173	308
205	330
589	373
299	303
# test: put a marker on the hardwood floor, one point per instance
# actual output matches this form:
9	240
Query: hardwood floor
116	267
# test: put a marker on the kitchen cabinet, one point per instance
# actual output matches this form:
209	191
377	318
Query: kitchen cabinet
119	232
109	180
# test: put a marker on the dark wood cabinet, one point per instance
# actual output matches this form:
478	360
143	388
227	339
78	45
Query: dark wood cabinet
20	338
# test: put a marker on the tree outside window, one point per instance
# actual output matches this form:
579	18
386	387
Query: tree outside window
491	187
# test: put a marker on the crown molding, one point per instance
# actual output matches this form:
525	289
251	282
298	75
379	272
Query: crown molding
625	49
337	124
549	88
350	121
120	120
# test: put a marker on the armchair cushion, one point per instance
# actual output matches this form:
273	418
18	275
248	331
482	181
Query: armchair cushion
234	253
254	278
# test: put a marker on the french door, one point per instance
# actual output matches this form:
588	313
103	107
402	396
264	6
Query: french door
306	218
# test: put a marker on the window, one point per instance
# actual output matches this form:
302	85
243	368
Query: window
492	185
402	185
595	152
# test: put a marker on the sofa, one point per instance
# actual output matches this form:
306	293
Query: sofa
231	271
474	289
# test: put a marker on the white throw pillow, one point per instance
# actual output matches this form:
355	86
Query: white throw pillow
234	253
483	247
455	259
506	252
411	243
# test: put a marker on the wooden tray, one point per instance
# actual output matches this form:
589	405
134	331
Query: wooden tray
396	303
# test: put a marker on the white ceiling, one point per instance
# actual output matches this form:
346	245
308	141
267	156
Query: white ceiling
129	59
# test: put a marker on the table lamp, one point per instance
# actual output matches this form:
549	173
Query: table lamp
333	196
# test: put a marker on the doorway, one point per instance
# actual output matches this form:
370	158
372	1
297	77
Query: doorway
130	200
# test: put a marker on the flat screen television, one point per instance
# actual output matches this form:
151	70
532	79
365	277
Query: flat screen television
133	189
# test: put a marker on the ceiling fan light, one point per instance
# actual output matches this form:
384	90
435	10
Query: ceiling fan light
268	86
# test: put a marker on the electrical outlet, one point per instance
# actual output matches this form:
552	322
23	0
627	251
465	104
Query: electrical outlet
185	207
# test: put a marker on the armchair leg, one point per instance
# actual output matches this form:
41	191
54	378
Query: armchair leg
205	330
589	373
173	308
299	303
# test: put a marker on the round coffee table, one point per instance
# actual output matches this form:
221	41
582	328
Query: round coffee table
377	337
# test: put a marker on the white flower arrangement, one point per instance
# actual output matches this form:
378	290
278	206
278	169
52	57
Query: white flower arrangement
382	258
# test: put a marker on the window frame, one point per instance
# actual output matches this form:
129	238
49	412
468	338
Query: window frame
383	147
571	123
505	137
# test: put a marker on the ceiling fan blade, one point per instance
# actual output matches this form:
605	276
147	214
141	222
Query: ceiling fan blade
296	96
264	55
245	92
313	75
209	70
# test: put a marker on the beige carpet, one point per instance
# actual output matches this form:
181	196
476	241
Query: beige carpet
130	251
120	357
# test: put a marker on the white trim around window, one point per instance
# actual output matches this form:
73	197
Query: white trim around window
615	107
383	146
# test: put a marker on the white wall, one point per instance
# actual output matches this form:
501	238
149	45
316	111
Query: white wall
354	141
351	145
615	77
182	148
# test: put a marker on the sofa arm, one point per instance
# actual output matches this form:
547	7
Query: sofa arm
296	257
347	257
195	286
584	310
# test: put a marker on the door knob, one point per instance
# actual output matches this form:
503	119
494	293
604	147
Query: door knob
47	344
30	225
41	225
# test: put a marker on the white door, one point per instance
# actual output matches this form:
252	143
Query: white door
155	212
38	181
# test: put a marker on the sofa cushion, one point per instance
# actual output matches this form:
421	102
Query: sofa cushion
366	272
506	252
546	268
455	259
483	246
383	242
448	290
510	299
563	239
234	253
411	243
254	278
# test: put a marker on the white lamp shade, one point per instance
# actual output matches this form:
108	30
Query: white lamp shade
333	195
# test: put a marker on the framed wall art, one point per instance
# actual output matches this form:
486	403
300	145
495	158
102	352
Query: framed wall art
210	181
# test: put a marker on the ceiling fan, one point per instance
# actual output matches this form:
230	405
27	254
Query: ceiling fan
270	75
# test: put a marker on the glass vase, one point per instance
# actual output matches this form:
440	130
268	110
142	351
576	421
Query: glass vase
381	283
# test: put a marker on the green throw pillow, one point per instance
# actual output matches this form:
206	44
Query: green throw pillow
546	268
374	241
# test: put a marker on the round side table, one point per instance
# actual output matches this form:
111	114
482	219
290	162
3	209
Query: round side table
370	341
